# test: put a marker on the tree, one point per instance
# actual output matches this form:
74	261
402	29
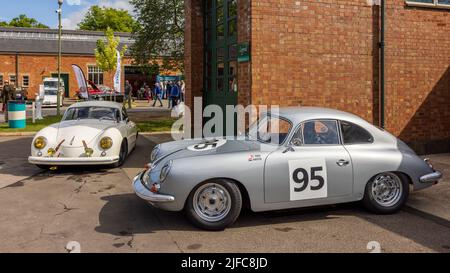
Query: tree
23	21
100	19
161	33
106	53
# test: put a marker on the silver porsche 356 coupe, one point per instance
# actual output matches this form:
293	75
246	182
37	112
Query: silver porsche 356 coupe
318	157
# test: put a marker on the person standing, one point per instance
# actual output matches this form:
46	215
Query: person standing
128	91
183	90
168	93
7	94
157	93
174	96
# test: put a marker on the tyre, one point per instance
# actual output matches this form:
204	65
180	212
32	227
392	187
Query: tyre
214	205
386	193
122	154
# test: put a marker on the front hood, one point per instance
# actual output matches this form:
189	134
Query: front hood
75	131
193	148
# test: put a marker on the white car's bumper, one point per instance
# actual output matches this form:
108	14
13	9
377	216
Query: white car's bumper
73	161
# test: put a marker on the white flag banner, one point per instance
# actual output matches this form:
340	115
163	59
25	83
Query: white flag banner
117	76
81	79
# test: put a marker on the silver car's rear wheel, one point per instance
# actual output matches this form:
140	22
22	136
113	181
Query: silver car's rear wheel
387	189
386	192
214	205
212	202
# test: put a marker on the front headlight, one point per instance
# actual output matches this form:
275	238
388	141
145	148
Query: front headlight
165	171
154	153
106	143
40	142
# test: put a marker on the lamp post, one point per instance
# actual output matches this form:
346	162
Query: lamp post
58	97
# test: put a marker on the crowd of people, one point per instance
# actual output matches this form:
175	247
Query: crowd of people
172	91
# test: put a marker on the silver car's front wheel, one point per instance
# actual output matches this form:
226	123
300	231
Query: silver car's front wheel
214	205
386	192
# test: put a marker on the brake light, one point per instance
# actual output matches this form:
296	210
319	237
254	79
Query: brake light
155	188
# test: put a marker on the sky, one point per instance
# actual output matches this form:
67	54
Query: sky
44	10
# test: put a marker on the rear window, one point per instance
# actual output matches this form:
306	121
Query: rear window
355	134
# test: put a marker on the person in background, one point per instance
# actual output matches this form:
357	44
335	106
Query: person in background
157	93
148	93
7	94
174	95
128	93
183	90
168	93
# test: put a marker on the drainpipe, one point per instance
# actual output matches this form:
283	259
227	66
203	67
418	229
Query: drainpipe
17	70
382	62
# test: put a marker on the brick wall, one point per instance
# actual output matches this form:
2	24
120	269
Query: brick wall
418	76
325	53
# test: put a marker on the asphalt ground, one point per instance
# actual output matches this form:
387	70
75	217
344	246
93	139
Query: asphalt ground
97	208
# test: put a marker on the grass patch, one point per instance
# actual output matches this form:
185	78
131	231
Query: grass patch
156	125
31	127
153	125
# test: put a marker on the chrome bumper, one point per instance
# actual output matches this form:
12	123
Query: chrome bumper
146	194
73	161
431	177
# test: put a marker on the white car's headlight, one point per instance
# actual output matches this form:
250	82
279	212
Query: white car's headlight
40	142
106	143
155	153
165	170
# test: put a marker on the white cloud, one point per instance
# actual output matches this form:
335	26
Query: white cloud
72	20
74	2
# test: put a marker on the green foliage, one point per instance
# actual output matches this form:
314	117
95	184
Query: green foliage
106	53
161	33
23	21
102	18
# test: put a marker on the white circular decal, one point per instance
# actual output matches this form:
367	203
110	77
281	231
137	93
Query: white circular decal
207	145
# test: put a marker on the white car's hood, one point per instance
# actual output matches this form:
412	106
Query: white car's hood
74	132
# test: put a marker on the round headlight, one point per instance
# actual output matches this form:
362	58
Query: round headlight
165	171
106	143
154	153
40	142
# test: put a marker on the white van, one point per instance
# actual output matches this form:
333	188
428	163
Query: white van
51	90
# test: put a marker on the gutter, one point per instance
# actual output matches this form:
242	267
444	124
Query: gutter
382	64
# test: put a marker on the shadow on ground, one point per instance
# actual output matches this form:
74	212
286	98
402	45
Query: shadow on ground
126	214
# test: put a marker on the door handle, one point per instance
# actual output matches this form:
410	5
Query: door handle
342	163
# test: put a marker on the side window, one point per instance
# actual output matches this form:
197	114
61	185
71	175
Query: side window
320	132
354	134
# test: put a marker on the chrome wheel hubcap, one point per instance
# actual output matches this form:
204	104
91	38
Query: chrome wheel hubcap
387	189
212	202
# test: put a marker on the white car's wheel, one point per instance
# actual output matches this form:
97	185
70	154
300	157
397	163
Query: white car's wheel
386	193
214	205
122	154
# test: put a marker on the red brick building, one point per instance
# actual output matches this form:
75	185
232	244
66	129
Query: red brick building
32	55
327	53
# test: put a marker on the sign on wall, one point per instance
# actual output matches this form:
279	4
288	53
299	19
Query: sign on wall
244	52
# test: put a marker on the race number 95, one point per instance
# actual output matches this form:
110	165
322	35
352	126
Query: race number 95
308	179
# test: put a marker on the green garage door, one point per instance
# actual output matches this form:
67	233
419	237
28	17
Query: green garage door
220	81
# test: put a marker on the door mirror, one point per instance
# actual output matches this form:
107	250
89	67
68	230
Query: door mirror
289	148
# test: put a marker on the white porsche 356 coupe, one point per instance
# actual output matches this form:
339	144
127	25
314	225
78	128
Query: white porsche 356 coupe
90	133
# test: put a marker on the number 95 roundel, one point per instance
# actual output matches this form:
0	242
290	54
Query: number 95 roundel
307	179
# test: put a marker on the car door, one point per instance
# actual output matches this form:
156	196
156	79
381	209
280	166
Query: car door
130	128
313	169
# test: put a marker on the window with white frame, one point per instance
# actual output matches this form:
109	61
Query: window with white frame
95	74
12	79
25	80
430	3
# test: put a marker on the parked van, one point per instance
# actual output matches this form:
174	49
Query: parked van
51	91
